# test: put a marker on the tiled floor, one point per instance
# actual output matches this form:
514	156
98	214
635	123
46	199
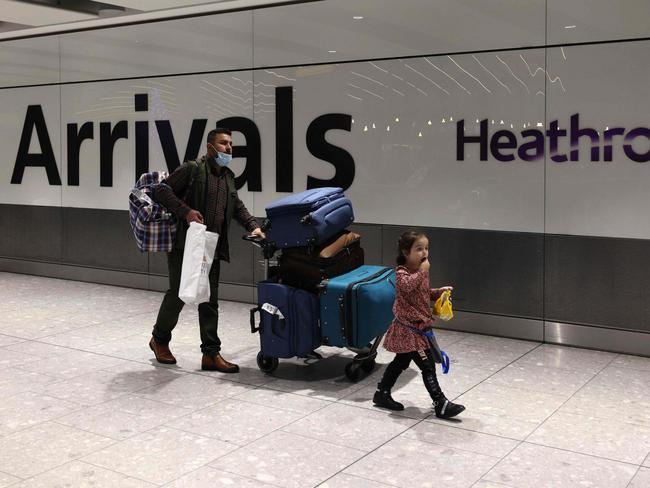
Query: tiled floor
85	405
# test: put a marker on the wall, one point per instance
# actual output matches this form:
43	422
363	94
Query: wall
394	106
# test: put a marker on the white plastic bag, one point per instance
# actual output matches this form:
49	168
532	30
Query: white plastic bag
198	255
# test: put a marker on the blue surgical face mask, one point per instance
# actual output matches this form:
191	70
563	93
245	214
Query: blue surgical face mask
222	159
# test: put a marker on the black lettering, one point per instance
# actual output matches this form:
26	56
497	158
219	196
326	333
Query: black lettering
509	143
34	119
141	148
609	135
577	133
339	158
75	137
537	145
462	139
629	150
284	139
107	139
252	151
554	134
169	144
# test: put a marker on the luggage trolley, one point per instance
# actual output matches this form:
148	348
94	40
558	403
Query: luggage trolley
303	332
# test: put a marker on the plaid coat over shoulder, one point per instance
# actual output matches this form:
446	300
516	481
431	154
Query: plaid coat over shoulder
154	227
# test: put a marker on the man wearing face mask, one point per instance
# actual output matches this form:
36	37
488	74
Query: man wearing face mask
200	191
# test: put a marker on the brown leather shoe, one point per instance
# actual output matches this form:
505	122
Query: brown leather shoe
218	363
162	352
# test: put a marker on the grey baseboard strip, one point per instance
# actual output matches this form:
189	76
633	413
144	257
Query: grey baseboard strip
624	341
227	291
498	325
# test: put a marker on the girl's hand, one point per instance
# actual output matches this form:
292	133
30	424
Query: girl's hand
445	288
425	265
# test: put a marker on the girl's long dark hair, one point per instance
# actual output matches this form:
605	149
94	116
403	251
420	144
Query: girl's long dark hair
405	243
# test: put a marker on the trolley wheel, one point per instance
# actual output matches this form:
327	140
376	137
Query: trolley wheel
267	363
353	371
368	366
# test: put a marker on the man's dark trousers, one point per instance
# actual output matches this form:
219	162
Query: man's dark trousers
172	305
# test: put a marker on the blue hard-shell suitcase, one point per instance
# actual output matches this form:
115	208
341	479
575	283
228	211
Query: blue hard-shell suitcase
308	218
288	320
357	306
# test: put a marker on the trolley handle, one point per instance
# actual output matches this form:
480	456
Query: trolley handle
255	239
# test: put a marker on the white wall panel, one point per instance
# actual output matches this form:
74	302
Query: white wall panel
596	20
305	33
209	43
607	85
34	188
178	100
29	61
403	139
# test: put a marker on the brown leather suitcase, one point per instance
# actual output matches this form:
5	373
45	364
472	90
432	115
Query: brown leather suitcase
301	269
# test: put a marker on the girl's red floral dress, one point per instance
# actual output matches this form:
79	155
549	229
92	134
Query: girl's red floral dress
412	307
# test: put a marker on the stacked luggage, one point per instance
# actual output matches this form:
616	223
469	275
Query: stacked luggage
321	292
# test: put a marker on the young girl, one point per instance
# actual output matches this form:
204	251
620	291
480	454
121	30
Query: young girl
411	310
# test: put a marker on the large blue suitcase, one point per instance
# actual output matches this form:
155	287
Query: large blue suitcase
308	218
288	320
357	306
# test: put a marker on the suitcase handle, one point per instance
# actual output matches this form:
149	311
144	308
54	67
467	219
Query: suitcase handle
275	319
253	328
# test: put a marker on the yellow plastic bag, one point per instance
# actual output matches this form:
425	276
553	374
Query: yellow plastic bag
442	307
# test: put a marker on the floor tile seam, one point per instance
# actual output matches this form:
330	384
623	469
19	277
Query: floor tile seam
87	407
496	462
249	403
333	444
128	475
288	410
40	395
265	385
253	402
531	390
540	424
307	436
366	454
13	476
595	456
455	448
624	366
237	445
494	373
61	378
78	460
229	471
56	421
495	482
633	476
383	483
380	411
241	446
515	447
605	419
563	368
453	426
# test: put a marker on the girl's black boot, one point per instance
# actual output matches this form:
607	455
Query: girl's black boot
382	396
444	408
383	399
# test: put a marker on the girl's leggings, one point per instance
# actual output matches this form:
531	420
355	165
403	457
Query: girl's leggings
401	361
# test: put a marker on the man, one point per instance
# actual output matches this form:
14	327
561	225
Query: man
209	196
